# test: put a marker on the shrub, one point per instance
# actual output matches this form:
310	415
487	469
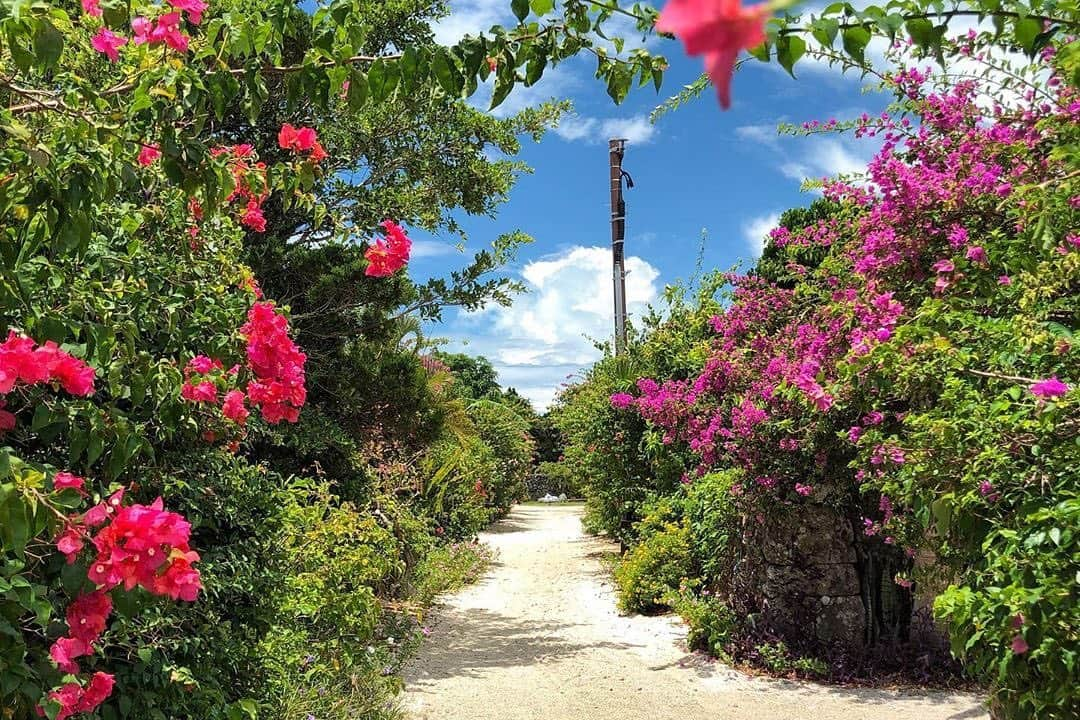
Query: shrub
654	568
710	622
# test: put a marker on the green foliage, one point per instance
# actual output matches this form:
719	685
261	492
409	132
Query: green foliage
779	660
713	520
711	624
654	568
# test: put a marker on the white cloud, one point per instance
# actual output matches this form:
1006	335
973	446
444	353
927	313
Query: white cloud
637	129
433	248
756	231
470	17
815	156
550	332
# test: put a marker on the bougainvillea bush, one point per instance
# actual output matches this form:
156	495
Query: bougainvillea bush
905	354
151	488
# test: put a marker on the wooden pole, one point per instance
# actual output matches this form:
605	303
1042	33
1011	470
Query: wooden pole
616	149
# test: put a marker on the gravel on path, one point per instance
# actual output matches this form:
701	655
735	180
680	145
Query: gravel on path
539	638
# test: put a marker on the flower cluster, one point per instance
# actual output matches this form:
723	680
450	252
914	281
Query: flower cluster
277	364
303	139
136	545
165	29
22	361
390	254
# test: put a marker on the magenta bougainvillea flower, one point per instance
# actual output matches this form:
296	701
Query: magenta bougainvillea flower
717	29
1049	388
107	42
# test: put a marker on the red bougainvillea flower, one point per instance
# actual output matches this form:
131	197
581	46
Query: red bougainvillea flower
253	217
68	698
717	29
7	420
87	616
302	139
390	254
278	389
1049	388
107	42
148	155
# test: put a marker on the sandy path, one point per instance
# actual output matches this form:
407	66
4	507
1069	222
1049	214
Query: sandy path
539	638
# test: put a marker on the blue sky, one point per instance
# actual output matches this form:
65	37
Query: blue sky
699	169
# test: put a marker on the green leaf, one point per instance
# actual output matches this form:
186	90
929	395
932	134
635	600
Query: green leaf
824	30
788	52
761	52
48	44
1026	30
446	73
382	79
855	41
358	89
542	7
520	8
535	69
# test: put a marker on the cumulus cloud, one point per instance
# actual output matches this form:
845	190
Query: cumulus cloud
550	332
756	231
812	157
637	129
470	17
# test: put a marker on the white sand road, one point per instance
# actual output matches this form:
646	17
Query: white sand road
539	638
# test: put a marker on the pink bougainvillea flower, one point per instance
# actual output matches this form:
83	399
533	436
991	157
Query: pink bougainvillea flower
944	266
65	651
65	481
1019	645
233	407
107	42
91	8
717	29
1049	388
70	543
253	217
804	490
976	254
148	154
68	698
193	8
1004	280
199	392
622	401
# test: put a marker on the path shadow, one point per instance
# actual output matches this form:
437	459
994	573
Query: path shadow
469	641
508	525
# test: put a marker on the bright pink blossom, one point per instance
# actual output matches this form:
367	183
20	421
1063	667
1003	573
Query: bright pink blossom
149	154
976	254
107	42
717	29
1019	645
91	8
204	391
1049	388
65	481
233	407
193	8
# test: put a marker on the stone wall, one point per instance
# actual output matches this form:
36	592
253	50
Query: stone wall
809	574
